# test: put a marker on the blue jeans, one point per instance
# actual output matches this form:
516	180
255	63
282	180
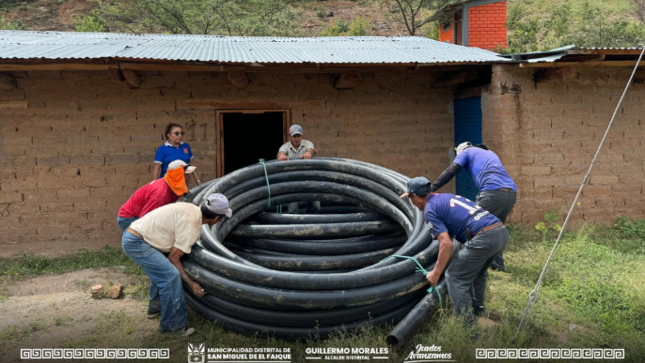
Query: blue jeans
124	223
165	282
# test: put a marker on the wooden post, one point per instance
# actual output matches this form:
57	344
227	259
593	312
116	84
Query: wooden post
348	80
456	79
238	79
7	82
131	78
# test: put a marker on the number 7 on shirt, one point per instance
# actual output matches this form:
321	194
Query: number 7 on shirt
471	210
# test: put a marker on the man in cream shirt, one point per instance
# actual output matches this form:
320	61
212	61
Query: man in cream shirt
173	229
296	149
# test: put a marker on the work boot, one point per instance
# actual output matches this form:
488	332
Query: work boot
479	310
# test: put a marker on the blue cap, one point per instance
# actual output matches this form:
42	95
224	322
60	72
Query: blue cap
420	186
295	129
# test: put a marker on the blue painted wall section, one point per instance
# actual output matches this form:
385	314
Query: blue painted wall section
468	127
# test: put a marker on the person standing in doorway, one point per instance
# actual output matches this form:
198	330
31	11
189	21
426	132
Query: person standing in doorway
173	149
497	190
295	149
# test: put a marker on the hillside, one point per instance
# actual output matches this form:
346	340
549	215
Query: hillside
59	15
532	24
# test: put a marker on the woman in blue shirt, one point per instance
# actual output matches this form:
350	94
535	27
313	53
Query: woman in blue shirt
173	149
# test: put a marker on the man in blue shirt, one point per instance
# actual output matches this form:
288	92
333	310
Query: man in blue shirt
497	191
482	235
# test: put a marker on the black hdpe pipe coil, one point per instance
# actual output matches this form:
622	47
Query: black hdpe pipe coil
277	218
412	322
284	281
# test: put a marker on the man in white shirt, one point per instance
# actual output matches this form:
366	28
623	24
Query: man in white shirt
173	229
296	149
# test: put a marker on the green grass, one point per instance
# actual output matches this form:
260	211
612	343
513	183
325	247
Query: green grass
29	264
12	332
593	296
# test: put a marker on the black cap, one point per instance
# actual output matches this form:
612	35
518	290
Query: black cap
420	186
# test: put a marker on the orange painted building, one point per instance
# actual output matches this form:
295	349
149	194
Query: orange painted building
476	23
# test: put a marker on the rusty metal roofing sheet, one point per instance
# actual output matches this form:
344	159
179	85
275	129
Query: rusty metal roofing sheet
208	48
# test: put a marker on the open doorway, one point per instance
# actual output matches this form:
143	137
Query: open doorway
246	136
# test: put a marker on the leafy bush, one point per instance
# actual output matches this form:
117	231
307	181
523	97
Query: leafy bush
359	27
12	25
550	217
91	23
340	27
320	11
585	23
630	228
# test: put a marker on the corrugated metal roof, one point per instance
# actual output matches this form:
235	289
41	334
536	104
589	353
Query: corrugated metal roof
550	56
207	48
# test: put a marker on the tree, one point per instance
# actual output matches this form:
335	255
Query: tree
638	6
417	13
228	17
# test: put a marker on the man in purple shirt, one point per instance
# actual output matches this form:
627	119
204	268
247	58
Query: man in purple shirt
482	235
497	191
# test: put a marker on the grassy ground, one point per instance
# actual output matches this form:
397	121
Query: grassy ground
593	297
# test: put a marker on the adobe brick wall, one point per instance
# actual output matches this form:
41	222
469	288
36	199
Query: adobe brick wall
487	26
446	36
74	146
547	133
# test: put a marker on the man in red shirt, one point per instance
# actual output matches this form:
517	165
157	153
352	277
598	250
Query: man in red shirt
155	194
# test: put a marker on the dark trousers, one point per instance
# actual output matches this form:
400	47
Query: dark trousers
468	270
499	203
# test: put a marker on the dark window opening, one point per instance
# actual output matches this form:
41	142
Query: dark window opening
458	28
248	137
446	25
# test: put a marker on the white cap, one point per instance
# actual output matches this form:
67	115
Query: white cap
463	146
218	203
181	164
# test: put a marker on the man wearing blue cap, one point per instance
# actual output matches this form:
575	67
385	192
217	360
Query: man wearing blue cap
481	234
497	190
296	149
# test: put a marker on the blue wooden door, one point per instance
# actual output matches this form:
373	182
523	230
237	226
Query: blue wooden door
468	127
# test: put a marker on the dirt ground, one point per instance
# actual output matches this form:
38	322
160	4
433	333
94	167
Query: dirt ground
58	311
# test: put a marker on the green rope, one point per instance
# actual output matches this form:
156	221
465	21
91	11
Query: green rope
267	177
418	269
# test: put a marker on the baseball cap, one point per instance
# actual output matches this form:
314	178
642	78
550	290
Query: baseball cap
295	129
463	146
181	164
218	203
419	186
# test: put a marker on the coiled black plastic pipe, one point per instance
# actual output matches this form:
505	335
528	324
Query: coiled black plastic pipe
316	274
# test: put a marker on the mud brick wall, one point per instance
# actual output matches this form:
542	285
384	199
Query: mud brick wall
546	134
74	146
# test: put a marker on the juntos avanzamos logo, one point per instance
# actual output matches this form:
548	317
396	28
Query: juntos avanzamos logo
433	353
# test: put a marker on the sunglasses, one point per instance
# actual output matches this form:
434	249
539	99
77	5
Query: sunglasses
179	133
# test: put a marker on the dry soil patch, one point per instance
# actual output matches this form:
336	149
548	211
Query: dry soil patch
61	305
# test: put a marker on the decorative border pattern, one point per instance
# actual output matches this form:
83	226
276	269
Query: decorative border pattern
95	353
548	353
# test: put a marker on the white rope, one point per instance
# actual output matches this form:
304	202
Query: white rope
533	295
